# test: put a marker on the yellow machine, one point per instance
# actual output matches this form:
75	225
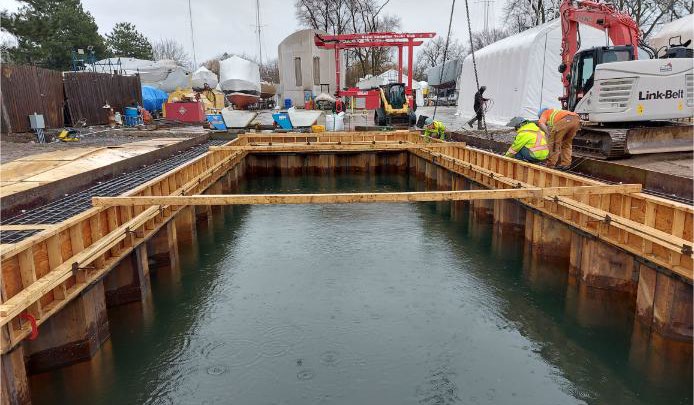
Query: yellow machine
212	100
395	107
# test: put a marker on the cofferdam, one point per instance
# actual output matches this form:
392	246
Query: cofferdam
403	303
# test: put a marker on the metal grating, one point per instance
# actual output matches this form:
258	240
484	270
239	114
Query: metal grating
16	236
70	205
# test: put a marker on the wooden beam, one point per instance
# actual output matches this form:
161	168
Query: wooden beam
332	147
348	198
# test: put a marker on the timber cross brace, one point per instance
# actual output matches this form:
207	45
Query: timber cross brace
43	272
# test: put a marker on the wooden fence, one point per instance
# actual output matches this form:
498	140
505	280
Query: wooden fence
87	93
27	90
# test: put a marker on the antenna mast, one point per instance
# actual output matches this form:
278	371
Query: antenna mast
192	36
257	30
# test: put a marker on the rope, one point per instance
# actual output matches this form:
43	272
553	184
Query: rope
445	55
474	66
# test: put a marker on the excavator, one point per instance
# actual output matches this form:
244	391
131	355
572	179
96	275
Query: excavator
628	105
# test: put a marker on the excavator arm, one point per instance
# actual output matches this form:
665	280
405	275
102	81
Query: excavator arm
620	28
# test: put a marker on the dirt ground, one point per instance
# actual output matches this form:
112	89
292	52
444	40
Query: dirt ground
15	146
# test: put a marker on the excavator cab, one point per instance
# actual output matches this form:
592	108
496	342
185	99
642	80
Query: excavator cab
395	107
583	68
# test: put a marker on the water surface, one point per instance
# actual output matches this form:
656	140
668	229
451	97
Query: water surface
367	303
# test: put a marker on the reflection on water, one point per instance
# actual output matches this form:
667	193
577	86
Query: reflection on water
369	303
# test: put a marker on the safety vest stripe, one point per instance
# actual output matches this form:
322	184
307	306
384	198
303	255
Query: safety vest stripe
552	116
538	142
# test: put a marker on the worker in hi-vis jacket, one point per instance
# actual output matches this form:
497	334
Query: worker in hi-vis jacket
530	144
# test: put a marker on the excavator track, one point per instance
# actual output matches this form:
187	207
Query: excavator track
601	143
616	143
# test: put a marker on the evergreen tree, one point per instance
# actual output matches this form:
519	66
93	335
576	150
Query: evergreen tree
126	40
48	30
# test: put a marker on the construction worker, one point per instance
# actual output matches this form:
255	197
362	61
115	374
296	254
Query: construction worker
434	127
530	144
479	108
560	126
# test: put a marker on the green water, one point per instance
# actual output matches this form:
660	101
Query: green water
368	304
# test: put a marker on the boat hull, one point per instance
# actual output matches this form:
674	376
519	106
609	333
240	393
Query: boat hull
242	100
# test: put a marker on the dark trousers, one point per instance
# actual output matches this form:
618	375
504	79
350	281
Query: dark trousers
477	118
524	155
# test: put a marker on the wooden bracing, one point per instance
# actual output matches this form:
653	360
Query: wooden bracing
43	272
349	198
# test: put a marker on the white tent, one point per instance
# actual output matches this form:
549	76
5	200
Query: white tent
520	72
683	27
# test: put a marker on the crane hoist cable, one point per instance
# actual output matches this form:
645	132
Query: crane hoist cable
474	65
445	56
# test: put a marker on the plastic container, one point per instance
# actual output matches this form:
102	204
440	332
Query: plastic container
335	122
287	102
216	121
282	119
317	128
131	112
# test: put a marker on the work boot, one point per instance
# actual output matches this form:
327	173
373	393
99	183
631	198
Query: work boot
469	123
479	126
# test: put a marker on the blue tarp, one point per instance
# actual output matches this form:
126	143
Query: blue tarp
153	98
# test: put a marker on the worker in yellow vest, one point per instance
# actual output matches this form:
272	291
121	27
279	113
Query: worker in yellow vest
560	126
435	128
530	144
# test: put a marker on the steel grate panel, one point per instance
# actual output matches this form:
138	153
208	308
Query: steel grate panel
70	205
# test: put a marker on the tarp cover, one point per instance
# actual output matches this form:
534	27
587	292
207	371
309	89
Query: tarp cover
239	75
202	76
683	27
520	72
162	74
451	71
153	98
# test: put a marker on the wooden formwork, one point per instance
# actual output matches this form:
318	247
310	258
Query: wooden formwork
42	273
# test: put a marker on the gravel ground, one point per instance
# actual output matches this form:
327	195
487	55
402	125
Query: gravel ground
15	146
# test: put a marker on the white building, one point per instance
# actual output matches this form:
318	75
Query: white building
520	72
305	67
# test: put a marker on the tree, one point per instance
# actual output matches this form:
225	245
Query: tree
649	15
169	48
522	15
350	16
431	54
126	40
270	71
47	31
480	39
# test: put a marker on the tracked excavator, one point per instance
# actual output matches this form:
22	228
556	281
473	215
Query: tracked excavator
628	105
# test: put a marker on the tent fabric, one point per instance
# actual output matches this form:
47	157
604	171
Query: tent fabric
520	73
162	74
683	27
153	98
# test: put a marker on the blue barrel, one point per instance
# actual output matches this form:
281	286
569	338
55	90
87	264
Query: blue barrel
287	103
131	112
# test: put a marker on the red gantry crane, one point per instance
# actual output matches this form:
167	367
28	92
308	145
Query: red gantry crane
394	102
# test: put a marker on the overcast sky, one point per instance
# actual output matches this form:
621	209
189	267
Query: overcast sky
229	25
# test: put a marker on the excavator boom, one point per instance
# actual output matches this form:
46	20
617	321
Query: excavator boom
620	28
